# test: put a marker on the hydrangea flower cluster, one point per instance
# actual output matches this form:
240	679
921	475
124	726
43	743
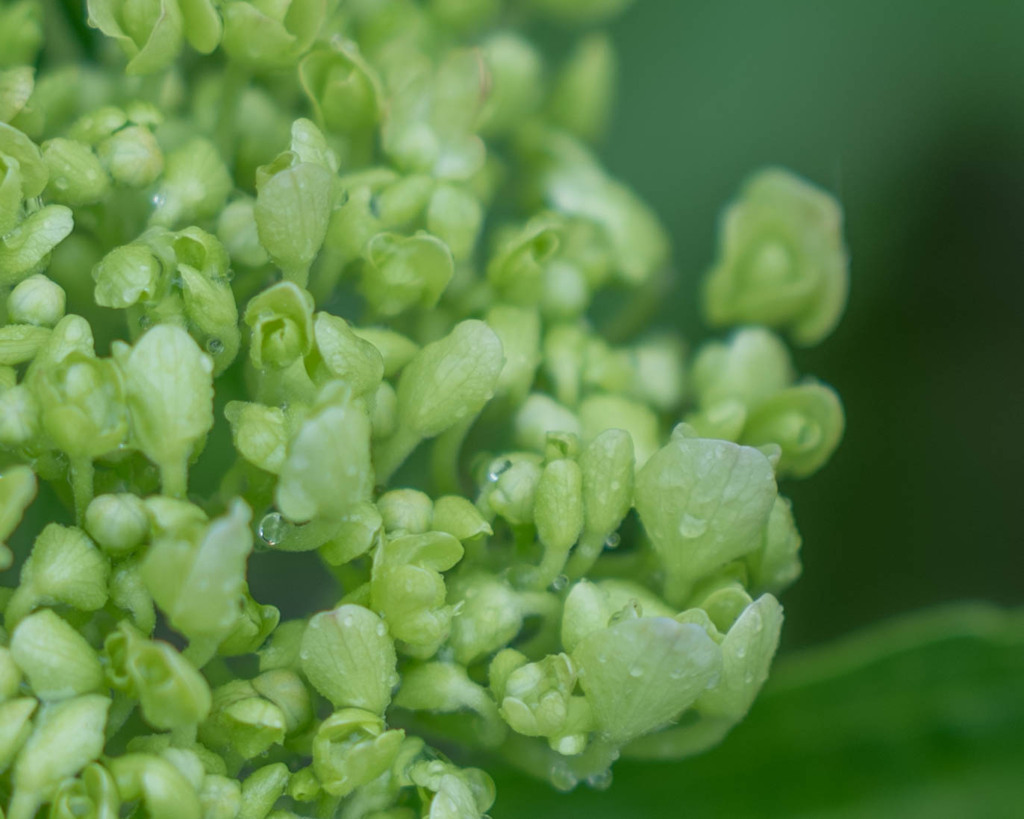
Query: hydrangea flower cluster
368	244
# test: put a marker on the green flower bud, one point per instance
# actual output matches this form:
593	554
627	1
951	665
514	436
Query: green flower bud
270	35
703	503
573	184
132	156
342	354
516	71
173	517
118	523
28	160
150	35
343	88
83	406
384	417
459	517
751	366
15	727
511	487
747	653
518	329
169	387
281	319
202	23
129	593
170	690
261	789
260	433
445	688
20	343
19	416
285	689
64	567
126	275
456	217
456	794
405	272
250	725
293	207
282	649
448	381
408	589
352	748
564	358
251	629
93	796
236	228
10	676
723	597
67	736
96	125
24	249
56	659
76	175
558	516
535	697
394	348
16	86
220	797
406	510
348	656
775	565
781	259
488	615
162	788
212	315
584	89
658	372
539	415
360	528
606	467
640	674
36	300
805	420
516	268
195	185
314	481
198	582
602	412
21	25
304	785
17	490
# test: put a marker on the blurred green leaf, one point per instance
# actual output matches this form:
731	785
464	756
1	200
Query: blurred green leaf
917	717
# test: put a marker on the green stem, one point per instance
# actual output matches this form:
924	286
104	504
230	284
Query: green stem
81	474
174	477
391	453
585	555
444	460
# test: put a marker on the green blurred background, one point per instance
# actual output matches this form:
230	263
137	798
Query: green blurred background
912	113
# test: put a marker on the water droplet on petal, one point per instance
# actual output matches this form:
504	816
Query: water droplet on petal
214	346
273	528
381	629
559	583
612	541
497	470
636	672
692	526
601	780
562	778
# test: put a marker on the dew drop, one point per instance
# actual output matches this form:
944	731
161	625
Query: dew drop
612	541
636	672
273	528
748	678
562	778
498	470
348	621
158	200
215	346
601	780
741	652
381	629
145	321
559	583
691	526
